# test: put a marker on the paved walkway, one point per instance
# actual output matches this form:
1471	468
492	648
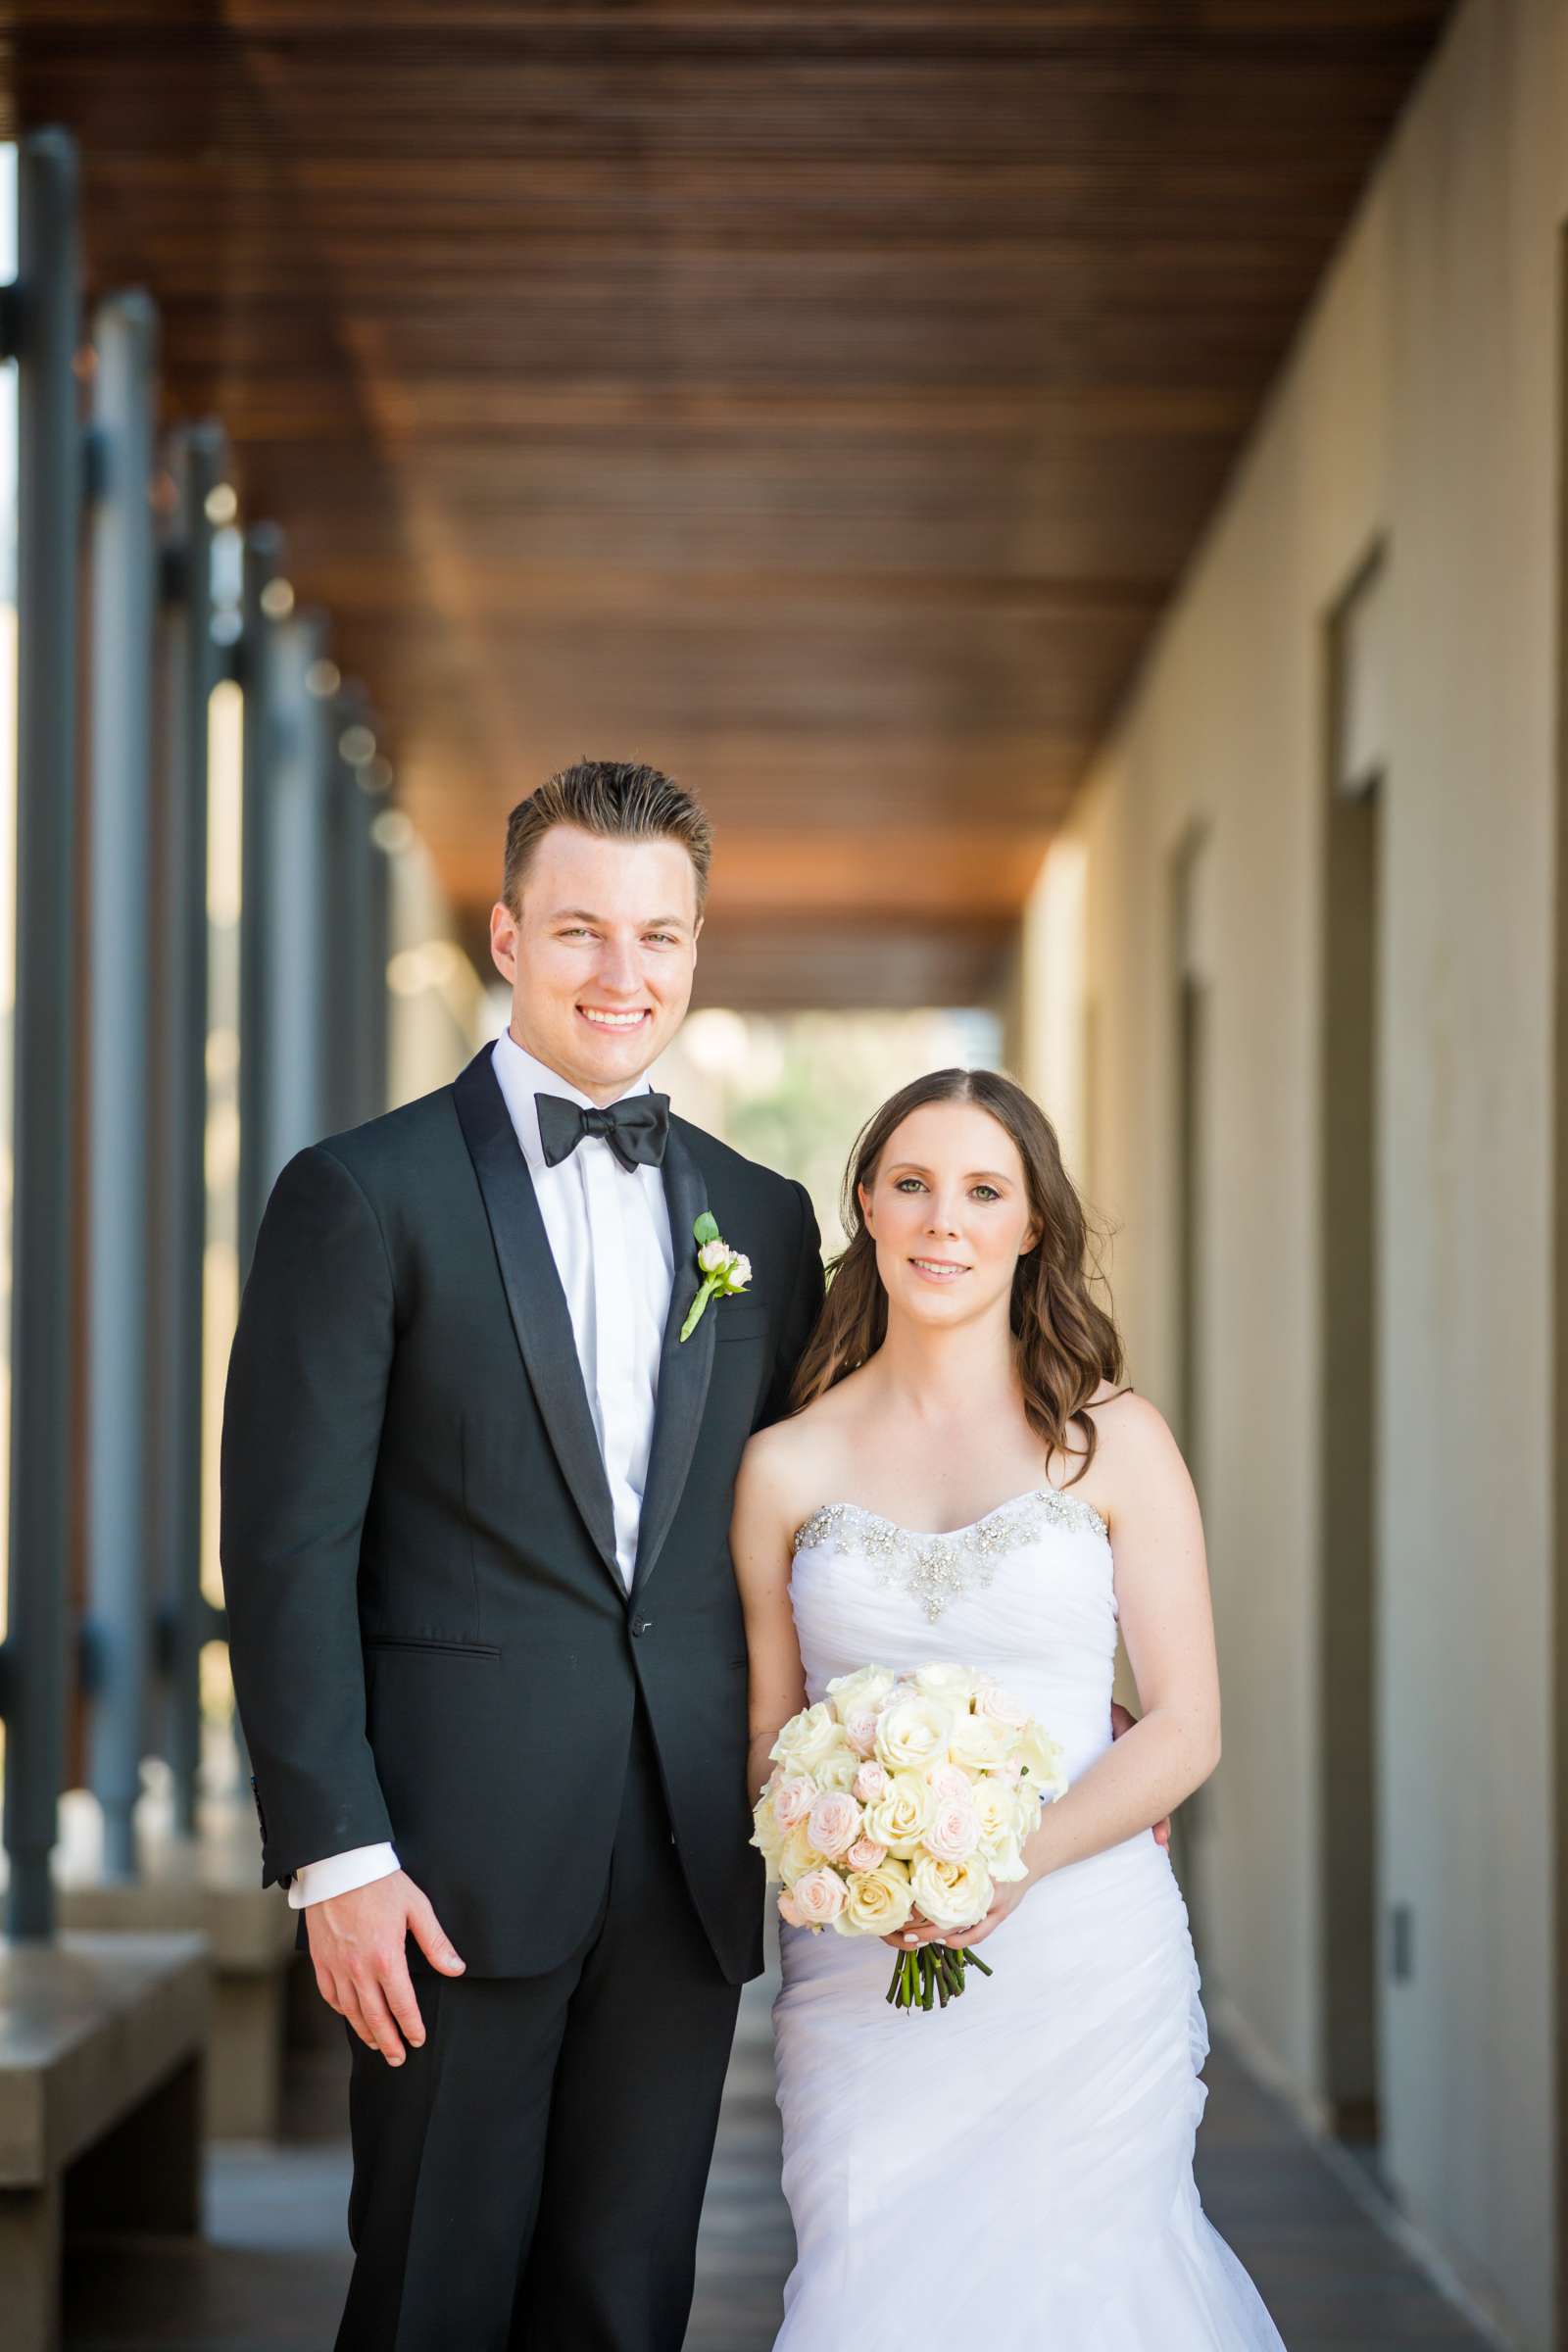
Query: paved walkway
270	2276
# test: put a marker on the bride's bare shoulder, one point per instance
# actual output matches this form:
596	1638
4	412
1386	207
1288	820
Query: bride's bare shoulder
787	1468
1135	1454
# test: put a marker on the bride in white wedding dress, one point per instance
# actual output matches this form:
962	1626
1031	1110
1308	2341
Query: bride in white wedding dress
1014	2169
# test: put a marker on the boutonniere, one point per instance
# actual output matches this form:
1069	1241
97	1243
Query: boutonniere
724	1270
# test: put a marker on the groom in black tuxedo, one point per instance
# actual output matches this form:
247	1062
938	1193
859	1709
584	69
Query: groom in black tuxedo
485	1636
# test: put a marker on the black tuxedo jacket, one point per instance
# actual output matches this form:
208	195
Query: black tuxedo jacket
430	1638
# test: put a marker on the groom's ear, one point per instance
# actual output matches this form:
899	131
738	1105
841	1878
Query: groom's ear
504	939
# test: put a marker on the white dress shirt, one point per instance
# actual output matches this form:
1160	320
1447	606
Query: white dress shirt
609	1233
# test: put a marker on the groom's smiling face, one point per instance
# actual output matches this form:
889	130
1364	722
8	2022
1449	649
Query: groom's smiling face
600	955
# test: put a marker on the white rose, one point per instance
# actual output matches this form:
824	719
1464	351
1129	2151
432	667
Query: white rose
876	1902
867	1687
1043	1760
981	1743
837	1769
955	1684
806	1737
740	1270
951	1894
1007	1862
901	1816
999	1814
766	1835
798	1855
914	1733
714	1256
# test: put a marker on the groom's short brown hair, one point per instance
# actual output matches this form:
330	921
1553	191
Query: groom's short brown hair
620	800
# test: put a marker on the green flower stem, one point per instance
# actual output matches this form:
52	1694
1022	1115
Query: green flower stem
710	1284
974	1960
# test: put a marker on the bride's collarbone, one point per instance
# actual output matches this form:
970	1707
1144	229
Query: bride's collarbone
920	1510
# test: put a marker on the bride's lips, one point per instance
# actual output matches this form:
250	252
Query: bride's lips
937	1269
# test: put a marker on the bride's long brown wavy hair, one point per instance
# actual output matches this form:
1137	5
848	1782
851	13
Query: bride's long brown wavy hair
1064	1342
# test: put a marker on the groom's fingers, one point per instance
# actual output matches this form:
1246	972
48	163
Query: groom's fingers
378	2028
398	1986
430	1936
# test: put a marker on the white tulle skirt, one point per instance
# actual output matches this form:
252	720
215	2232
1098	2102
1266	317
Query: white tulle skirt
1014	2169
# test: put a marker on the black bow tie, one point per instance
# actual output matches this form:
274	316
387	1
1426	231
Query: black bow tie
635	1128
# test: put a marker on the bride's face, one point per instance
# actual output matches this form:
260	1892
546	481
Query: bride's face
949	1212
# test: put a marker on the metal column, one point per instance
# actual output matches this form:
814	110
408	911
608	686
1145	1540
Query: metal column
296	910
378	1002
48	945
123	582
258	674
359	947
198	459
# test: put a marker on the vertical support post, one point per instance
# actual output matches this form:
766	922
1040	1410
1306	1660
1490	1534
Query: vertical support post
295	911
379	950
258	647
119	1426
198	457
359	938
42	1317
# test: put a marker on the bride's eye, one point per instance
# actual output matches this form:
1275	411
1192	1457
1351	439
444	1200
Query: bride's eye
908	1184
986	1191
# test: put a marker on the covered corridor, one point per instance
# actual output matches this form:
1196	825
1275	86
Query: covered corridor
1077	491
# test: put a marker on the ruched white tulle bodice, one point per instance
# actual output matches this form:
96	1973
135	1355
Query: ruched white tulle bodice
1015	2169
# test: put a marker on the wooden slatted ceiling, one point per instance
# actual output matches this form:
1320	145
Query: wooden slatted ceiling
819	401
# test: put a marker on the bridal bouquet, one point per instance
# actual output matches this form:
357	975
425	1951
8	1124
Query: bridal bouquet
902	1796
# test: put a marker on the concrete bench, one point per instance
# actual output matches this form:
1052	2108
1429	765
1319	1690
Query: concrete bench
102	2044
207	1885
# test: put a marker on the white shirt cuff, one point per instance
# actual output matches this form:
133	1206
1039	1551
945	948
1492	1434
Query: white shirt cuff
339	1874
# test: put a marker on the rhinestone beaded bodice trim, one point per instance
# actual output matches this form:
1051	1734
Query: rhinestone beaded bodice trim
937	1568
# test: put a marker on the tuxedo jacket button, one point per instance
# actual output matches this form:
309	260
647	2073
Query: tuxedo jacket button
641	1626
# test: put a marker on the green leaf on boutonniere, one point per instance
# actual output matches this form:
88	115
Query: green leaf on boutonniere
705	1228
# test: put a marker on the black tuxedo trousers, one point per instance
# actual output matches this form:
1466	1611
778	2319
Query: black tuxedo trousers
530	2180
432	1642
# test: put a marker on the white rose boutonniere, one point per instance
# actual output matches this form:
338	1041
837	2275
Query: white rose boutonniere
724	1270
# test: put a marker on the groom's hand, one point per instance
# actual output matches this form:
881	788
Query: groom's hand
362	1970
1121	1721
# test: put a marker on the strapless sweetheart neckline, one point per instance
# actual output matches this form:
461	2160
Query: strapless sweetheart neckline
1061	1502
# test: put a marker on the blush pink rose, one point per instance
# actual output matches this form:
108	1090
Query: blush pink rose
871	1782
866	1854
950	1783
819	1897
834	1823
790	1910
792	1799
999	1706
860	1728
956	1831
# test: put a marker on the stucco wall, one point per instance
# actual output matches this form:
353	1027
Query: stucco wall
1419	410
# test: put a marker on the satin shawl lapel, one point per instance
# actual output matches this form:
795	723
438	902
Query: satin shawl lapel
685	1367
540	1316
